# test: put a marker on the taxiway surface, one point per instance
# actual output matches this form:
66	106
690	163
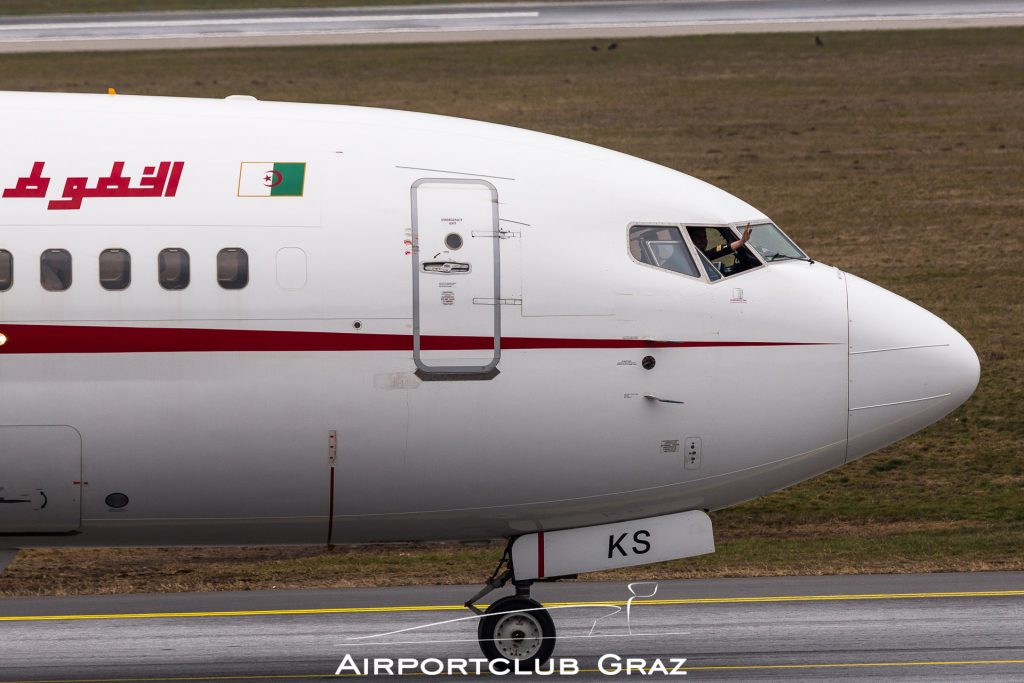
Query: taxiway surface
927	627
511	21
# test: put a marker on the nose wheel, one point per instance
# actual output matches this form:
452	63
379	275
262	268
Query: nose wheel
517	628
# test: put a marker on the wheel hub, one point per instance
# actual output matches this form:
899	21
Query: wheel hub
518	635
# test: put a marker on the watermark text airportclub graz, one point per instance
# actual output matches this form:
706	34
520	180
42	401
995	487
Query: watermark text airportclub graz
608	664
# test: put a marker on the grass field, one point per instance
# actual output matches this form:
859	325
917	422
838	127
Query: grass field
898	156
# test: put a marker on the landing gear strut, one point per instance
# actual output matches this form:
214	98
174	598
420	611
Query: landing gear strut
516	627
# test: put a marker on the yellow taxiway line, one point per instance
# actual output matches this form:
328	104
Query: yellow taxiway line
723	667
452	608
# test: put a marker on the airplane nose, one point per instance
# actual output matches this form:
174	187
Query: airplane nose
908	368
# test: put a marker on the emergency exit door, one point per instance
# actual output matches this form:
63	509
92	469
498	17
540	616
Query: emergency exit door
456	278
40	479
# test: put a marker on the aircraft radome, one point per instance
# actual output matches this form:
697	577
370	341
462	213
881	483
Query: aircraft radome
242	322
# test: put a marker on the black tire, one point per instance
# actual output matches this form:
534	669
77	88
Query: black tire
515	628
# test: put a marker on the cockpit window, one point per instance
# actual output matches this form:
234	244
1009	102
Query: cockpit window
709	267
717	255
662	247
771	243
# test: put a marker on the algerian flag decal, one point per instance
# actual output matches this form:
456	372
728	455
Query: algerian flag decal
271	179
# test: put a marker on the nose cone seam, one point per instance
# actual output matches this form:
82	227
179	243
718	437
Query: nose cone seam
908	368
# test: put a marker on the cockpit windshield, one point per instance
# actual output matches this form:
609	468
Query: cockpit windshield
771	244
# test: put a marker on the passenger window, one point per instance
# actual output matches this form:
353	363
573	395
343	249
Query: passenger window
717	256
232	268
172	265
291	268
115	269
55	270
662	247
6	270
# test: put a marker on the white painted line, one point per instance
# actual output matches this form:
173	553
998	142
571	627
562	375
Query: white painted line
510	28
71	25
749	22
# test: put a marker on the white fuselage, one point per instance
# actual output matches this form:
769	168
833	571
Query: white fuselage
501	399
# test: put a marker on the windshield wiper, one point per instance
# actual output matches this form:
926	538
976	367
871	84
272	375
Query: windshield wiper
781	257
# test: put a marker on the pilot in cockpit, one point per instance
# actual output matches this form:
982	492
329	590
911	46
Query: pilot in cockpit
700	240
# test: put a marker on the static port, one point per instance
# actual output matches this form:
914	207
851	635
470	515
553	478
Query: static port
647	362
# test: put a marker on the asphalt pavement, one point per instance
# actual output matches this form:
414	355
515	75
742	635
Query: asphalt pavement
929	627
497	21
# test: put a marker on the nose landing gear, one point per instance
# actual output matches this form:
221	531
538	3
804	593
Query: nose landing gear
519	629
516	627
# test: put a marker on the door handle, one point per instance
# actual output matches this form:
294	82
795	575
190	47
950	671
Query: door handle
446	267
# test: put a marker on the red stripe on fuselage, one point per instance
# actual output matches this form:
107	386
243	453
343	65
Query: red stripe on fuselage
38	339
540	554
